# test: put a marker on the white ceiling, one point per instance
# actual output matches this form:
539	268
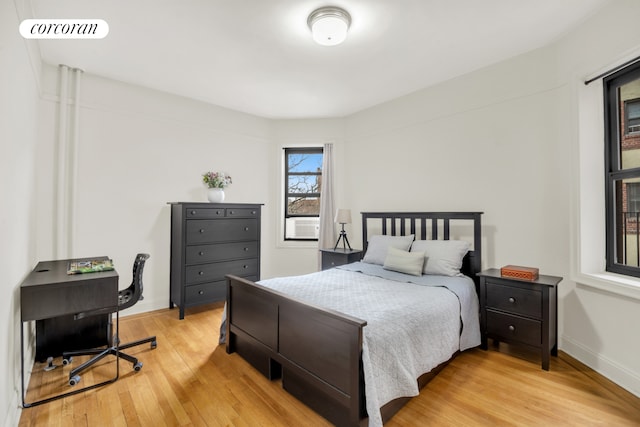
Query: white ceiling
257	56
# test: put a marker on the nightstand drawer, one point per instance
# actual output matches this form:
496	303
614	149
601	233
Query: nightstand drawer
517	328
527	302
335	257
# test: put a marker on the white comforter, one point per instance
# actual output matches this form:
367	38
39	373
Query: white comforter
411	327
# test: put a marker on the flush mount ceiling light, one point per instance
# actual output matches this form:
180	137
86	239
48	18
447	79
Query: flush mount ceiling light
329	25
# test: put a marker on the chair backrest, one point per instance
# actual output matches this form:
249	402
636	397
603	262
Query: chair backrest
133	293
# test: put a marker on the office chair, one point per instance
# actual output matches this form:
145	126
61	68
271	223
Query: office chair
126	298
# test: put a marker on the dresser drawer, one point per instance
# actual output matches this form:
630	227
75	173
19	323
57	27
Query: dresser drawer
527	302
208	292
216	271
242	213
200	254
205	292
517	328
204	213
221	230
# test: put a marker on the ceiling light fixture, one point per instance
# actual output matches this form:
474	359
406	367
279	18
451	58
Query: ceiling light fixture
329	25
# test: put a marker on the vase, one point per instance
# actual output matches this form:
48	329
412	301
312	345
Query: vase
215	195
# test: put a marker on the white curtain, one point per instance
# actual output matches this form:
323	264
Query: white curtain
327	232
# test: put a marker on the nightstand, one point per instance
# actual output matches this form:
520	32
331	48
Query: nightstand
335	257
520	311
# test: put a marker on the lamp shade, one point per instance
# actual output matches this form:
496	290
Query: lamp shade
329	25
343	216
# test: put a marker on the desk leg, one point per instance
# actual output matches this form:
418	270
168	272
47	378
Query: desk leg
70	393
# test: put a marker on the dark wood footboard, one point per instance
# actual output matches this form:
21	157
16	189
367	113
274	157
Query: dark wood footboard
316	351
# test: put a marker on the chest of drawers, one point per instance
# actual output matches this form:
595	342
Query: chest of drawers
208	241
520	311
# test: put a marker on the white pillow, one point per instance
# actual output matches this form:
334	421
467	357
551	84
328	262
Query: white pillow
378	245
442	257
404	262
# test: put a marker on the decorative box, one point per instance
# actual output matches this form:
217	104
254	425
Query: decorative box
519	272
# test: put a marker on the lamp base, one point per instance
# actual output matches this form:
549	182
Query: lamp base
345	241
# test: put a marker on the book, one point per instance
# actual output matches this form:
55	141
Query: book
90	266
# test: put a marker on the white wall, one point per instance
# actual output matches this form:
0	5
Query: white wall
504	140
598	326
138	150
18	135
292	258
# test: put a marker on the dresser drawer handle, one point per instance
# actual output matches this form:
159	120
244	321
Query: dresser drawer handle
512	328
245	266
512	300
200	292
246	229
201	230
246	249
253	212
200	253
231	212
193	212
200	273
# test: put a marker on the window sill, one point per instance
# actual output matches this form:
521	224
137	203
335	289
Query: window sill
611	283
298	244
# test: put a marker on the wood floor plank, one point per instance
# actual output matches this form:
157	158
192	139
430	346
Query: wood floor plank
189	380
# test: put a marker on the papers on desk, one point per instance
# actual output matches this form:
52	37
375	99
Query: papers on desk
89	266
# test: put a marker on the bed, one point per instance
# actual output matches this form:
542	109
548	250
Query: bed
311	331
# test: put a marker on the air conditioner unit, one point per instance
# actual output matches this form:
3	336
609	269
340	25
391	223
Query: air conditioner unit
303	228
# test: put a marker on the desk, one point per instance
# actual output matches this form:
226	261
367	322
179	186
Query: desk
49	292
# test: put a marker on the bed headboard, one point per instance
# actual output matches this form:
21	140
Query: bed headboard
430	226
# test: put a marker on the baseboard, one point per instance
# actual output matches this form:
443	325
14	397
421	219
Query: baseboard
14	411
615	372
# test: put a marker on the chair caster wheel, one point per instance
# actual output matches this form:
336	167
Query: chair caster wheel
137	366
66	361
50	366
74	380
154	344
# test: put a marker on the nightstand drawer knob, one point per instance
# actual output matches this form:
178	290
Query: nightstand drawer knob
200	253
512	300
512	328
201	273
201	230
200	292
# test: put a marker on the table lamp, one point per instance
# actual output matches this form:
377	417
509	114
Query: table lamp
343	216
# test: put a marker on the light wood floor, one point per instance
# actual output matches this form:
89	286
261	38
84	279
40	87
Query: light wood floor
188	380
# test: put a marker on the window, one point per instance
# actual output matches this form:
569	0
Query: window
622	162
632	116
302	181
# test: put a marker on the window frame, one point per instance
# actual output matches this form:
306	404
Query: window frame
286	215
635	102
614	171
